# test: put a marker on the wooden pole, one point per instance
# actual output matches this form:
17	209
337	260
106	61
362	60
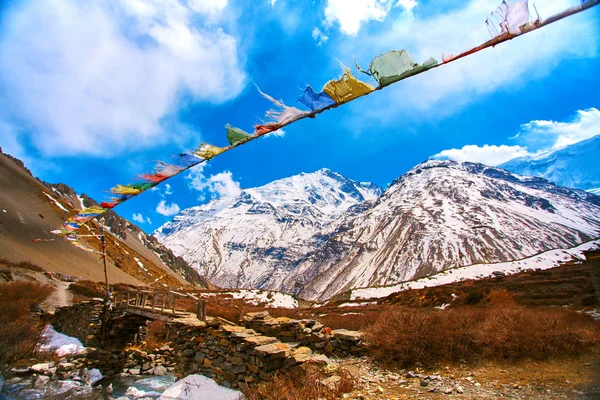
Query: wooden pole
103	242
105	316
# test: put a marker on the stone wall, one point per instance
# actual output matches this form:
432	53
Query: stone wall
131	361
235	356
82	320
232	355
306	332
125	329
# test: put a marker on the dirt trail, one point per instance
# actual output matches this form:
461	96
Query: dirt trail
60	298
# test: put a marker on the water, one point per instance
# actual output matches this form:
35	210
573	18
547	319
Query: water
143	386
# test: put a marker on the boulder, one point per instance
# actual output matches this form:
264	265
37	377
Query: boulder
274	350
159	370
344	334
41	381
41	368
260	340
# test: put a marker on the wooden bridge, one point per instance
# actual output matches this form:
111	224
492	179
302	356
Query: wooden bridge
164	306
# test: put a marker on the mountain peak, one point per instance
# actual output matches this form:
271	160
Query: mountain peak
573	166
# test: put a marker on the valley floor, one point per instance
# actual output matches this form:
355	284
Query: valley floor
571	378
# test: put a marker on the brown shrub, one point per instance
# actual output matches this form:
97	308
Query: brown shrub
19	330
156	335
22	264
301	386
229	312
88	289
500	331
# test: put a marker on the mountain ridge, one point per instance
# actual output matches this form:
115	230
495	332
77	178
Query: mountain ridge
439	215
32	208
574	166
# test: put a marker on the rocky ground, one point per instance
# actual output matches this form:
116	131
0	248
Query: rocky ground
557	379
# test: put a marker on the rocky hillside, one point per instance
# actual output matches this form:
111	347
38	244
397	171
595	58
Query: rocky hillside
30	209
254	239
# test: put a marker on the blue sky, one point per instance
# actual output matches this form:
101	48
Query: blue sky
92	92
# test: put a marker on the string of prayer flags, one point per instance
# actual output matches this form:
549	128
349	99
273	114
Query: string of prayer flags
316	102
125	190
346	88
236	136
509	20
208	151
285	116
395	65
186	160
162	171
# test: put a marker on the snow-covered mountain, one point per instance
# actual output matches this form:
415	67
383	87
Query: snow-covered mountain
314	235
577	165
444	214
255	239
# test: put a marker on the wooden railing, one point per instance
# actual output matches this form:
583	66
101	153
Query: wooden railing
160	302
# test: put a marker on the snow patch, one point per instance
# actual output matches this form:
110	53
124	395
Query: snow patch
56	202
80	201
365	303
546	260
269	299
199	387
59	343
141	264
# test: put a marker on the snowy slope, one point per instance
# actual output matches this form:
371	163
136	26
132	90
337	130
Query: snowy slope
546	260
440	215
577	165
253	240
314	235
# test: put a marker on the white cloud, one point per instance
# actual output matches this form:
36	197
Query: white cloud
350	14
101	77
543	134
535	137
319	36
408	4
215	186
163	209
272	2
489	155
207	7
168	189
506	67
138	217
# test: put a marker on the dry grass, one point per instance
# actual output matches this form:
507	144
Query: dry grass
156	335
19	330
84	290
500	331
301	385
28	265
230	313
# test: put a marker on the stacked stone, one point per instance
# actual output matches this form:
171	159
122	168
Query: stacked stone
39	375
126	329
132	362
306	332
235	356
82	320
